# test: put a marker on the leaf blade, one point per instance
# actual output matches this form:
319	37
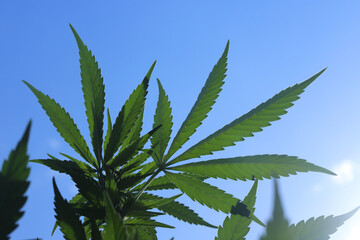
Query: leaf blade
247	124
13	185
128	116
249	167
94	94
203	193
236	226
67	218
162	117
64	124
203	104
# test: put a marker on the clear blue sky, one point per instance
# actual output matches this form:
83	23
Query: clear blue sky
273	44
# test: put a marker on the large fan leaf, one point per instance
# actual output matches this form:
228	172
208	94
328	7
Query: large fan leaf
114	228
64	124
246	125
203	104
184	213
128	116
236	226
203	193
248	167
68	220
320	228
278	227
94	94
162	117
13	185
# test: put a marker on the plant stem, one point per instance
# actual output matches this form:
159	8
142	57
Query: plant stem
147	184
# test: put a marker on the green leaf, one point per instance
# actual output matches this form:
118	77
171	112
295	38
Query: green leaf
64	124
146	223
114	228
203	193
95	233
108	131
153	201
249	123
203	104
127	117
162	118
320	228
127	153
278	227
236	227
183	213
134	164
87	186
94	94
249	167
163	182
142	233
13	185
135	131
84	166
68	220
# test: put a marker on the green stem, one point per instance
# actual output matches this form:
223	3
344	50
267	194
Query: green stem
147	184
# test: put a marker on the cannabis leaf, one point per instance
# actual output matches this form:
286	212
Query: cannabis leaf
67	218
203	104
64	124
94	94
203	192
246	125
278	227
249	167
162	117
13	185
236	226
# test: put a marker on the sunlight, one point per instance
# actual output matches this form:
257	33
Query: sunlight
344	171
354	233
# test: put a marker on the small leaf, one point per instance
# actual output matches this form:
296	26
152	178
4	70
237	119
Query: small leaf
13	185
153	201
162	118
68	220
127	117
237	225
183	213
203	193
114	228
94	94
146	223
206	99
248	167
126	154
64	124
249	123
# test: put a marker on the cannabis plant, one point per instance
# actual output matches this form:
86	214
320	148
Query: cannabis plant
115	174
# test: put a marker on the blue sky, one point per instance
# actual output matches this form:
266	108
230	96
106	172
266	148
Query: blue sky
273	44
